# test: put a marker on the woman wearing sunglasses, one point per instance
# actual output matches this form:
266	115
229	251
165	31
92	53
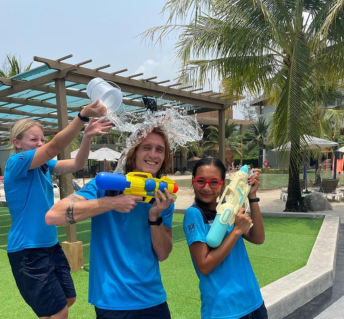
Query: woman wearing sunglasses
228	286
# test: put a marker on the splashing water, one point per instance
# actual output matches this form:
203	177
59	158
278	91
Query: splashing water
179	127
122	121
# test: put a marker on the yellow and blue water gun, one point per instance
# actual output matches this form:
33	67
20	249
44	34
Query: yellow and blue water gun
136	183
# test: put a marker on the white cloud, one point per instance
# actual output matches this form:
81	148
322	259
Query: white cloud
148	68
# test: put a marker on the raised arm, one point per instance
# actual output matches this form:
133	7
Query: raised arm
256	234
62	139
77	163
75	208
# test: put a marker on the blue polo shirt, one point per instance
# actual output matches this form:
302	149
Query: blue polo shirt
124	271
231	290
29	195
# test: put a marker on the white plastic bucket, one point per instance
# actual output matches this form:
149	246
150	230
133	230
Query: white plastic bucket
109	96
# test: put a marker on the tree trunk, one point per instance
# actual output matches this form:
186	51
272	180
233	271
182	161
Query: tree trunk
295	201
260	158
317	180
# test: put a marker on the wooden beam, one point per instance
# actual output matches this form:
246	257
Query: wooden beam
8	81
214	121
25	85
161	82
82	63
66	182
241	141
7	127
196	90
102	67
134	75
221	118
50	125
119	71
17	112
154	90
64	58
148	79
31	102
186	87
172	85
137	86
37	103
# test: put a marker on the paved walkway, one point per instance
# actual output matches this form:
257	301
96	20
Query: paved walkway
329	304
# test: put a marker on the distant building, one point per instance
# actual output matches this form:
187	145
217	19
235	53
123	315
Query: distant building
265	110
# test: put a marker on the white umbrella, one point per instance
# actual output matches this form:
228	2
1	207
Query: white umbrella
73	154
105	154
313	143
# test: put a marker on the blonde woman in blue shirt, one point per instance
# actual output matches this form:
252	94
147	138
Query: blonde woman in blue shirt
38	263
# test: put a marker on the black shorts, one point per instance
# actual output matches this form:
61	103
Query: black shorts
43	278
158	312
260	313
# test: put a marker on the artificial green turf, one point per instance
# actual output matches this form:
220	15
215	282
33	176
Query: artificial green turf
13	305
287	246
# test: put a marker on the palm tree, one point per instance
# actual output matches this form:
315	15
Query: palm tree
278	47
12	66
232	139
256	135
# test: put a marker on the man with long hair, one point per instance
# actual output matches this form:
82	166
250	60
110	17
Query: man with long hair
128	237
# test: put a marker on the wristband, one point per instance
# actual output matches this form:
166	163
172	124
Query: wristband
254	200
83	118
157	222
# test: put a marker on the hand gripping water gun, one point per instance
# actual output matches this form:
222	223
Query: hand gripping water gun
226	211
136	183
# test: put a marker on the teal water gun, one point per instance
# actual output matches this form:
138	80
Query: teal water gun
226	211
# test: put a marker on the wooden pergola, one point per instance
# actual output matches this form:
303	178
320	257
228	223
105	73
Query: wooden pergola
55	92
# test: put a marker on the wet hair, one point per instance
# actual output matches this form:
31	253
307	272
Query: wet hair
206	212
19	127
131	156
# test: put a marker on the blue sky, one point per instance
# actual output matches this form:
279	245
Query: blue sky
106	31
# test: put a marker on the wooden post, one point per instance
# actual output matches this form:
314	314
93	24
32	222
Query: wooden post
71	247
241	145
74	254
222	135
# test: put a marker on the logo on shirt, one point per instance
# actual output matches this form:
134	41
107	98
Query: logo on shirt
191	227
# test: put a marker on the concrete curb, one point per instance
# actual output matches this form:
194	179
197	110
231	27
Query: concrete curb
285	295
